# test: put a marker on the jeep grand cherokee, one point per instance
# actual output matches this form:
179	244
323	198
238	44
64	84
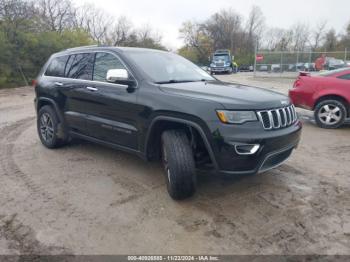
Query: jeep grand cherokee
158	105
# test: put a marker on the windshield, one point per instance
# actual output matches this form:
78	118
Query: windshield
165	67
222	58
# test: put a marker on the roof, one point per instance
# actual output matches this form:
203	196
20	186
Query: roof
105	47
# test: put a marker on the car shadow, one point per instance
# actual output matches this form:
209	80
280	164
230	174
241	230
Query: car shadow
209	183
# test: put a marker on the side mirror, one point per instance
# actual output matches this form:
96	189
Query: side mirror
119	76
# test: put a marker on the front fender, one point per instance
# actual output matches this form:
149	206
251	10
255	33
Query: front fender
202	129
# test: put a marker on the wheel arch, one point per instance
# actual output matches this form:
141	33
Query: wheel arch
62	131
334	97
161	123
43	101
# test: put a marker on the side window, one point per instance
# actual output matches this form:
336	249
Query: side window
80	66
57	66
346	77
103	63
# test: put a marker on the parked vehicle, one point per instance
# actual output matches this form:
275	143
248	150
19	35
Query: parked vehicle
328	63
263	68
326	93
169	110
245	68
221	62
297	67
276	68
309	67
333	63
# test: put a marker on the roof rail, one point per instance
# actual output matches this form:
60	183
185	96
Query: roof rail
87	46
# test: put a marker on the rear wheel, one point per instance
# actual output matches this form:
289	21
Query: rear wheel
330	113
179	164
47	125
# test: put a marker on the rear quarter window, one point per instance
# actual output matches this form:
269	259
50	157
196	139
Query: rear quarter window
57	66
345	77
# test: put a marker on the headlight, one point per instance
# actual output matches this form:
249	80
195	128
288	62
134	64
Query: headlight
212	65
236	117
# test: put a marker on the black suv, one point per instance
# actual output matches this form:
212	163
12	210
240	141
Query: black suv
159	105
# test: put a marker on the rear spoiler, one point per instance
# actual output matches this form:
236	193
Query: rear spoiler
303	73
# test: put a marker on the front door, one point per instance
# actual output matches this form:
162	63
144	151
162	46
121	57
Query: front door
112	107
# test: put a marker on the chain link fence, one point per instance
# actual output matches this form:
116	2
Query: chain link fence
288	64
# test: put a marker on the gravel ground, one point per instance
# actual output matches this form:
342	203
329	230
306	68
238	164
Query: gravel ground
87	199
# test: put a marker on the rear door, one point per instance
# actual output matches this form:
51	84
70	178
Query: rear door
78	73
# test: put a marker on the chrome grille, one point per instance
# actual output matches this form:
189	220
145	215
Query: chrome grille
219	64
278	118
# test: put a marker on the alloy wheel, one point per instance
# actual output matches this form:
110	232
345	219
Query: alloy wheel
46	127
330	114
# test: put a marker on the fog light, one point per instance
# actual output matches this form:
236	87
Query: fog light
247	149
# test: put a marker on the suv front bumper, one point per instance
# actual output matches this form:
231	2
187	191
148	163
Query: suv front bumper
275	147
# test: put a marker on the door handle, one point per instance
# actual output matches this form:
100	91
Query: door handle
58	84
91	88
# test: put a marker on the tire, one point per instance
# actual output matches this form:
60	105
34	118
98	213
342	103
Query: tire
179	164
47	126
330	113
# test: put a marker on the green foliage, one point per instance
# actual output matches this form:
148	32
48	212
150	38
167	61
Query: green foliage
30	32
244	59
192	54
21	59
5	59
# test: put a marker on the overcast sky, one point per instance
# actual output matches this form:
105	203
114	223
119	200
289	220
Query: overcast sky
166	16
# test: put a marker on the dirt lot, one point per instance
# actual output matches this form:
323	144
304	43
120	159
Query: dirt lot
87	199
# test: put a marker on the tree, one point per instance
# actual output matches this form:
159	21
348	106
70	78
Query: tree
95	22
224	28
331	40
300	36
56	15
121	32
197	41
255	26
318	35
30	31
278	39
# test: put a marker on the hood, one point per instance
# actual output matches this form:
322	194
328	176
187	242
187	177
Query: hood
231	96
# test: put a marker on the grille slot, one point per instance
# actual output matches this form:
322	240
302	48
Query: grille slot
219	64
278	118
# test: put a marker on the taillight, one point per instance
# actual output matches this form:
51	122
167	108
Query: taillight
297	83
34	82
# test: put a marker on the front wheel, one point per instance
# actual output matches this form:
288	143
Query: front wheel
179	164
330	114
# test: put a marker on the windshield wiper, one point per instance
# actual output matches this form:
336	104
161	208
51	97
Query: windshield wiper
173	81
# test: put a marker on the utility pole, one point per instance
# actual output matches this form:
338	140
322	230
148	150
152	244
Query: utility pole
296	65
281	63
255	53
346	54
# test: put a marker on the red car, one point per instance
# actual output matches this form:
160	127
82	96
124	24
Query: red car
326	93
